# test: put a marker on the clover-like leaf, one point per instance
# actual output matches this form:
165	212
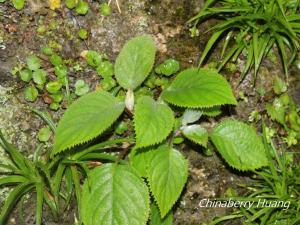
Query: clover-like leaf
196	133
167	175
239	145
199	88
115	195
86	118
135	62
153	121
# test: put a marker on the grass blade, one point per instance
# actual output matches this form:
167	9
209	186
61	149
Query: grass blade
15	155
12	199
209	45
281	48
39	202
12	179
226	42
228	56
249	62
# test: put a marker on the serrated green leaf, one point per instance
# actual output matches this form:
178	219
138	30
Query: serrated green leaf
85	119
199	88
155	218
196	133
115	195
212	111
153	122
239	145
135	62
167	175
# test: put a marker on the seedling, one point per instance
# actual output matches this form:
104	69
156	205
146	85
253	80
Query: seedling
154	167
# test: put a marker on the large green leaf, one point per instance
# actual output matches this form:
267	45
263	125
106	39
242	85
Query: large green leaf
153	121
114	195
135	61
239	145
196	133
167	175
199	88
155	218
85	119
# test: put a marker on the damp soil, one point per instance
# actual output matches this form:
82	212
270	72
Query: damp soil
209	177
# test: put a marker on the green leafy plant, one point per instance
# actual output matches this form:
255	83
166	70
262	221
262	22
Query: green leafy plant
141	174
252	27
154	156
